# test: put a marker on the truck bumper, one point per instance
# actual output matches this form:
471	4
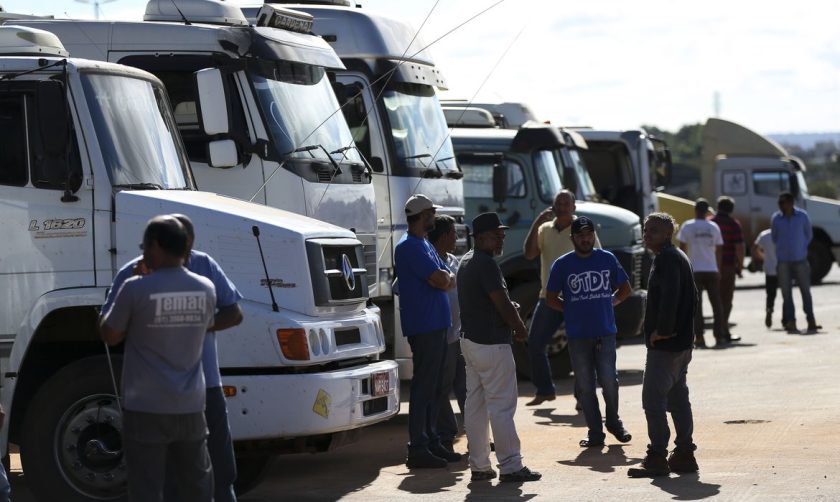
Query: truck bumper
630	314
290	406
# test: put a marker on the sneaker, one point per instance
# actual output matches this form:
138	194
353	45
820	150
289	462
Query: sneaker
682	462
540	399
424	459
520	476
591	443
768	318
442	452
653	465
730	338
483	475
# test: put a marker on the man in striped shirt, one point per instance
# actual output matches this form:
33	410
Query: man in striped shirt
732	259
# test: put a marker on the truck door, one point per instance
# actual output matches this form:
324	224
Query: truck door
764	198
47	211
354	96
516	211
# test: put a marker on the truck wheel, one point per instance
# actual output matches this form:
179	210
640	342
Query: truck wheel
820	259
558	357
250	471
72	436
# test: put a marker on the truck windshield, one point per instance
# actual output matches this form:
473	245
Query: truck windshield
547	175
135	130
418	127
301	110
585	185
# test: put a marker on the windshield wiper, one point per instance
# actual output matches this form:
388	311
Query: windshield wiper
343	151
140	186
309	148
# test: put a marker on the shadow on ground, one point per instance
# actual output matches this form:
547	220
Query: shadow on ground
686	487
601	460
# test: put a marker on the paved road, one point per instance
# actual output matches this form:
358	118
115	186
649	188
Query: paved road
767	419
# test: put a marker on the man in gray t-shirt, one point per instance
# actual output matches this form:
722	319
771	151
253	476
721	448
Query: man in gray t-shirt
163	318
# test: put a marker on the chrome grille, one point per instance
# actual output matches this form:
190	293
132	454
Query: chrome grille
369	247
332	283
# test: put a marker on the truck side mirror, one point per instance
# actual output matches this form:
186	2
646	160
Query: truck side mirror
222	153
212	101
500	182
52	118
377	164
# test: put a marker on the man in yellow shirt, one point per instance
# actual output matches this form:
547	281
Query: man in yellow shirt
549	238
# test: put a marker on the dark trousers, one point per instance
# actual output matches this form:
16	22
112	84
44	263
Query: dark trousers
710	282
664	389
152	441
727	292
220	448
593	361
454	379
428	351
801	271
544	326
771	285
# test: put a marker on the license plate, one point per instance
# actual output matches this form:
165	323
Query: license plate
380	384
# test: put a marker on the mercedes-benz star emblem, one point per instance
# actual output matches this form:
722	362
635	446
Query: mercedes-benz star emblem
347	273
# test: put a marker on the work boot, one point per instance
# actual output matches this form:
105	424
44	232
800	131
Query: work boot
654	464
699	342
442	452
768	318
682	462
521	476
813	326
423	459
790	327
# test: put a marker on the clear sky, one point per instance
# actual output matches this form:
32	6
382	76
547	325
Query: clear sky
617	63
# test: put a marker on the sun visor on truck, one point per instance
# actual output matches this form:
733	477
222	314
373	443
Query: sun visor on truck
413	73
273	44
530	138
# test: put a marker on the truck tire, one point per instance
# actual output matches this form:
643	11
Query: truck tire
527	295
820	259
71	447
250	471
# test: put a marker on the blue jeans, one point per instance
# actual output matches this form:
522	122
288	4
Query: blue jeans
787	271
664	389
544	325
593	361
454	379
428	351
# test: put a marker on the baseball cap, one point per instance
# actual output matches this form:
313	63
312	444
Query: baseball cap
418	203
582	223
485	222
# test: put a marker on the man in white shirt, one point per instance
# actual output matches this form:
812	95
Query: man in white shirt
765	250
702	241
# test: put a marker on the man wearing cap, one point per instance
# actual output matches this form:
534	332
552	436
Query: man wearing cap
549	238
586	285
702	241
423	280
487	319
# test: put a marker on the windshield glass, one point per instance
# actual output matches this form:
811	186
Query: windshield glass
135	131
301	110
418	127
547	175
803	187
584	181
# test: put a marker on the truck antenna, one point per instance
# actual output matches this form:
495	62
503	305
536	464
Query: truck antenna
186	21
256	230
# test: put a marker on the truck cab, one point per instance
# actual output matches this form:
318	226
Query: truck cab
283	144
389	98
754	170
90	151
517	173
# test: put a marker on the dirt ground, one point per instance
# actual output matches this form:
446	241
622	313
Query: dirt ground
766	410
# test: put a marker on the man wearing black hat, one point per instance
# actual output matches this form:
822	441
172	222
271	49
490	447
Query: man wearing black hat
424	317
586	285
487	319
702	241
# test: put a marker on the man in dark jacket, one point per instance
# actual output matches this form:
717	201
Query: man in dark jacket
669	336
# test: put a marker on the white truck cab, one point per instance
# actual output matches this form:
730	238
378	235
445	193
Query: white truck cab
89	152
283	143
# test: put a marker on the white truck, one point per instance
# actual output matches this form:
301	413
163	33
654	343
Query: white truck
389	99
89	152
754	170
284	144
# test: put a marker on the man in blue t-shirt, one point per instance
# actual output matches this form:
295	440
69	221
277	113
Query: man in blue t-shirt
586	285
228	314
423	280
